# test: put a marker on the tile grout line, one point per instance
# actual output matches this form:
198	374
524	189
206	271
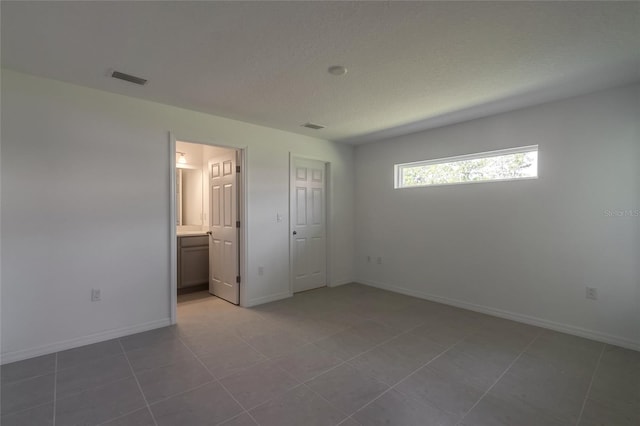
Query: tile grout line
311	342
446	348
250	345
409	330
216	380
31	377
346	362
499	378
164	398
328	402
213	380
390	388
593	376
99	386
296	386
55	389
227	421
120	416
242	339
22	410
304	383
84	363
300	383
144	397
348	418
307	343
349	361
306	386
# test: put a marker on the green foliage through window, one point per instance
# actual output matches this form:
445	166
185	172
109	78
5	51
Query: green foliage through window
517	163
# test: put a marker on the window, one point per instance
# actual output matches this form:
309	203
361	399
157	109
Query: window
504	164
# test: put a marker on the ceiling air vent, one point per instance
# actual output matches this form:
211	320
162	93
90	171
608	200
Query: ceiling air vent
128	77
313	126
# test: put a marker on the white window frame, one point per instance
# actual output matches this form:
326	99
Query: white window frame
496	153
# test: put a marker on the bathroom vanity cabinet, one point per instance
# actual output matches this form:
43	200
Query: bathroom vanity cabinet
193	260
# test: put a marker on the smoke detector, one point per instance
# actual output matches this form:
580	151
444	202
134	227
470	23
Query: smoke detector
337	70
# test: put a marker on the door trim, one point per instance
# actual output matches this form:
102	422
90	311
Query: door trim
327	217
243	215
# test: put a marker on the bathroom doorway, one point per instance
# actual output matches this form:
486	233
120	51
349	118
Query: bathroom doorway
208	213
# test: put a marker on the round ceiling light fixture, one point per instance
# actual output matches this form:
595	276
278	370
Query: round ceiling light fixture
337	70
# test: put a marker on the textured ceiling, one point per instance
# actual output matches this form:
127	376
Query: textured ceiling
412	65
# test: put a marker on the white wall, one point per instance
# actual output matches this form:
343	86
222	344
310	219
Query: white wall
85	203
524	249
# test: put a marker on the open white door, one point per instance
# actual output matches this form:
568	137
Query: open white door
224	275
308	236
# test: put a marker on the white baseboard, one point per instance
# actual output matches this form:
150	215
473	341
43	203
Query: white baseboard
564	328
267	299
280	296
20	355
338	283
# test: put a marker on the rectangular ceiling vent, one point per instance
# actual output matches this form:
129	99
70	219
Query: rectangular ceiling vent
313	126
128	77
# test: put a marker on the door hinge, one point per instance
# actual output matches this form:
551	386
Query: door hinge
238	279
238	224
237	169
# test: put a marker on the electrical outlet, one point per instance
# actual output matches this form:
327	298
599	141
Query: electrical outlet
279	217
379	261
592	293
260	270
95	295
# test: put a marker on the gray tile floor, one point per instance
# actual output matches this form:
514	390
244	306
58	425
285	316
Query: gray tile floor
351	355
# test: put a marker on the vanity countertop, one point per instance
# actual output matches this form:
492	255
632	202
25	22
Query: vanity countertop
191	233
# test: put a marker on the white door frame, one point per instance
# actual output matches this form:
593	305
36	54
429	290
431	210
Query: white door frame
242	215
327	218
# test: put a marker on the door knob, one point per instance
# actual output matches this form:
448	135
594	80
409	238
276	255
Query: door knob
295	232
208	232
